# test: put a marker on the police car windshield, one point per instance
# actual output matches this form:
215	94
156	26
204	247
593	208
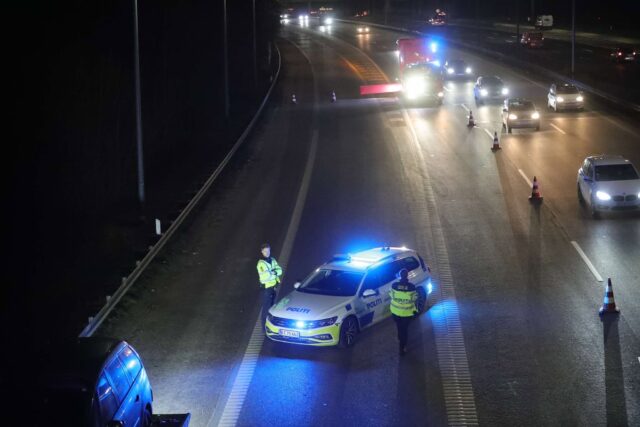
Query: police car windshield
332	282
615	173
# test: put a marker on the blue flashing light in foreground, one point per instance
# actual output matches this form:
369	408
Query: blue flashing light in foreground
300	324
434	47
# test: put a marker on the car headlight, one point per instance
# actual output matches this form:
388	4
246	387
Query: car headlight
360	30
513	117
313	324
535	116
414	87
505	91
450	70
468	70
440	94
601	195
560	99
580	98
366	29
328	21
484	92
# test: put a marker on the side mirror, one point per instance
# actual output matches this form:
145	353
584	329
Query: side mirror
297	284
369	293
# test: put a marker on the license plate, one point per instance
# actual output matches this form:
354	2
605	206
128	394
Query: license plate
287	333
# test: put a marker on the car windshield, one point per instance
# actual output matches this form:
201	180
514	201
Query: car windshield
615	172
491	81
567	89
457	63
332	282
521	106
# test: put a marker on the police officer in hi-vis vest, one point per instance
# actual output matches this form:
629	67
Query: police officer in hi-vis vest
269	273
403	306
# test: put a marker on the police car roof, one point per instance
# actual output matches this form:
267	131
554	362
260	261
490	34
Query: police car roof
360	261
608	159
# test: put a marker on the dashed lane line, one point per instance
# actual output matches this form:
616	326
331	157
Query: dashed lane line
529	183
586	261
241	383
488	132
558	129
465	107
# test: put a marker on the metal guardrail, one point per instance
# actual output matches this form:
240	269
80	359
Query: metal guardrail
96	321
516	62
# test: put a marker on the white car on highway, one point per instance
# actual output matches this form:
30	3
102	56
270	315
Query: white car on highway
608	182
344	296
565	96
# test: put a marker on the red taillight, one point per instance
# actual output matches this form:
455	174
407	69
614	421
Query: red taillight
619	53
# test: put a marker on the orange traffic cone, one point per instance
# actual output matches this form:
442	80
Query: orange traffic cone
496	142
293	99
535	191
471	123
609	304
333	96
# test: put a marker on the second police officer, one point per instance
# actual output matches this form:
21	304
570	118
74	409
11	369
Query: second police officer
403	306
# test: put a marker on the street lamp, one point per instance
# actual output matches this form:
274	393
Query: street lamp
136	60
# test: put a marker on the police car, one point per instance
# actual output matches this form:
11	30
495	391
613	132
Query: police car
344	296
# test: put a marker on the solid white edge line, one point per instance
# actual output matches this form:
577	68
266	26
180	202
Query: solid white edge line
529	183
586	261
558	129
242	381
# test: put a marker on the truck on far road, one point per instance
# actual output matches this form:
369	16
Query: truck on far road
419	70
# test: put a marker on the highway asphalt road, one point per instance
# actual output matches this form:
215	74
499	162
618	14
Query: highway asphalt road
512	336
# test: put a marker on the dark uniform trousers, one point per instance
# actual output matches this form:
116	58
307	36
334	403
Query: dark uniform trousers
268	299
402	323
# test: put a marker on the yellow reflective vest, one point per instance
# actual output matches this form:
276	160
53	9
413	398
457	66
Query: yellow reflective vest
403	299
269	272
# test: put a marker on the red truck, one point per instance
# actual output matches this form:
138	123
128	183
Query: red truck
419	72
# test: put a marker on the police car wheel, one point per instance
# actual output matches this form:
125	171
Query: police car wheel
348	332
421	302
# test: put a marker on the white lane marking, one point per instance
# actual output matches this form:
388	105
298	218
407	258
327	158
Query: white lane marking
465	107
445	315
638	359
241	383
586	261
529	183
488	133
558	129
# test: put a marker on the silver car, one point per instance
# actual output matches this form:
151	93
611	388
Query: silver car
608	182
520	113
565	96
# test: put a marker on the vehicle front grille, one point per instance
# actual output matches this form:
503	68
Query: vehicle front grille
282	322
631	198
618	198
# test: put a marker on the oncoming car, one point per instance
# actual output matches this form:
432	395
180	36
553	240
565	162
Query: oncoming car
519	113
457	68
361	29
489	88
608	182
565	96
344	296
